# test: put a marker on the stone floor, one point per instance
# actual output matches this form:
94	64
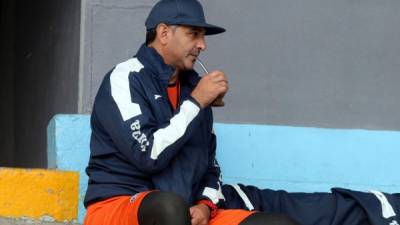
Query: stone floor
6	221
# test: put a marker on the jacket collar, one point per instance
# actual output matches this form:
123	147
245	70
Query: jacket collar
150	58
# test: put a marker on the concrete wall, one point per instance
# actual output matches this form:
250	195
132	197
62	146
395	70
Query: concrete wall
112	32
46	72
282	157
305	63
47	195
309	63
7	84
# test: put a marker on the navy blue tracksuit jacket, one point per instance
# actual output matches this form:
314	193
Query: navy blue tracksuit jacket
341	207
140	143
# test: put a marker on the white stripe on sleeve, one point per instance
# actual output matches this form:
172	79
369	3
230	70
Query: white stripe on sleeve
244	197
387	209
212	194
120	89
166	136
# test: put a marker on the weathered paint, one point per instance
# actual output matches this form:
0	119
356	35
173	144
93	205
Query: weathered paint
277	157
68	139
48	195
305	159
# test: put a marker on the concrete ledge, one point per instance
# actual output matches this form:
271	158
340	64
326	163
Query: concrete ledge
11	221
68	138
296	159
45	195
305	159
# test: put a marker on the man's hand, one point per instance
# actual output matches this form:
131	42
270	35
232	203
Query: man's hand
200	214
210	87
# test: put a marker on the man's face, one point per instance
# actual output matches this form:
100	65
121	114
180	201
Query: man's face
184	46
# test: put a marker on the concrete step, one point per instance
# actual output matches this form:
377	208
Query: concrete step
8	221
38	194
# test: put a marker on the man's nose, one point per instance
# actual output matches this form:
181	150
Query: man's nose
201	44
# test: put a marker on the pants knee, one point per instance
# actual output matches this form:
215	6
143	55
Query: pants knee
170	203
164	207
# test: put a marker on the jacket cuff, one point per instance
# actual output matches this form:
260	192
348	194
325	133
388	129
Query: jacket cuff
190	98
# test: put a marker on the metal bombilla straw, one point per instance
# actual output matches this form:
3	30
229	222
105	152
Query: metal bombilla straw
218	102
202	66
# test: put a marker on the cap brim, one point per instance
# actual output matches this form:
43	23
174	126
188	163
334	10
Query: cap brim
210	29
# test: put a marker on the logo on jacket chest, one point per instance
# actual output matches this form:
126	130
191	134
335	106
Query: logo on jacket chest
139	136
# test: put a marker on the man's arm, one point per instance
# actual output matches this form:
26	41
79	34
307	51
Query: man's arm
210	193
122	112
210	184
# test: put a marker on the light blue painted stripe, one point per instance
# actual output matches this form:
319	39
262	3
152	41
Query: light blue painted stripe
309	159
68	149
276	157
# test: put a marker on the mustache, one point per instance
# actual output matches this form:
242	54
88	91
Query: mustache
195	53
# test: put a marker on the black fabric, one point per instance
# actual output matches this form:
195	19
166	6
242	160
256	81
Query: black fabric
340	207
163	208
267	219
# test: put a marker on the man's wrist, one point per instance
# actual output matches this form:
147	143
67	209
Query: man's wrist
211	206
196	99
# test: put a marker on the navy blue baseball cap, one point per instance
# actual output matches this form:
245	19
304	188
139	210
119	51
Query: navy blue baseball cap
180	12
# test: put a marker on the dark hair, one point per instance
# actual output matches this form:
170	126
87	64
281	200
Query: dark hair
152	33
150	36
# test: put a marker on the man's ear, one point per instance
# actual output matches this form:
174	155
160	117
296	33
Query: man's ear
162	30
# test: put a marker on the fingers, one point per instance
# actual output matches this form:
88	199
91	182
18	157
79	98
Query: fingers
198	221
219	79
218	76
195	221
210	87
198	217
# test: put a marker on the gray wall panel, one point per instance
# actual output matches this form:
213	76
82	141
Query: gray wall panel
301	63
309	63
113	33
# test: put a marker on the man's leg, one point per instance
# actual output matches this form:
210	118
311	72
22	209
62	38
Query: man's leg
146	208
267	219
163	208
